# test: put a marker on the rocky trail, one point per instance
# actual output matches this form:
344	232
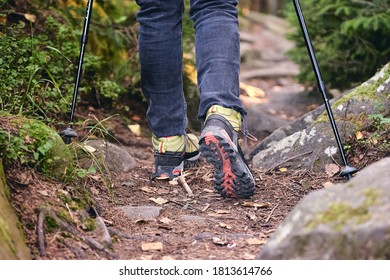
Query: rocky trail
132	217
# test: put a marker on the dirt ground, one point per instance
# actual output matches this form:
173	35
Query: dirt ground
200	226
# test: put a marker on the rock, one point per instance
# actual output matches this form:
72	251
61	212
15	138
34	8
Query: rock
141	212
352	112
193	219
43	147
113	157
12	241
345	221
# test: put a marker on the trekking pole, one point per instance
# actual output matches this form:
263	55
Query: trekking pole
69	133
347	170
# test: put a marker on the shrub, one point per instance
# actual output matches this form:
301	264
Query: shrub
351	39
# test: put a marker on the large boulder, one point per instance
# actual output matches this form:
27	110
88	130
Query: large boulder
316	142
345	221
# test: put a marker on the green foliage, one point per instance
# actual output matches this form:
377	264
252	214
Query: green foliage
40	58
351	39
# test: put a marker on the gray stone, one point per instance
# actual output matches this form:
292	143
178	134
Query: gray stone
115	158
346	221
141	212
193	219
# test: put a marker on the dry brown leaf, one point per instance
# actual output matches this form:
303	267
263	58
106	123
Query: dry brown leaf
331	169
327	184
44	192
166	221
254	204
173	182
147	190
255	241
151	246
30	17
135	128
159	200
219	241
359	135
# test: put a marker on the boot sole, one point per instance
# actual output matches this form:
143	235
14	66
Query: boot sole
232	176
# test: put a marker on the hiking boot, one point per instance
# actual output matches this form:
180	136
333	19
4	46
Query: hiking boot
219	145
172	154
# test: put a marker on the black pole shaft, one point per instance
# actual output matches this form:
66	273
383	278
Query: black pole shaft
84	40
320	83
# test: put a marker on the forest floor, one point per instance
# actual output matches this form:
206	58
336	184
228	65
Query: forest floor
181	226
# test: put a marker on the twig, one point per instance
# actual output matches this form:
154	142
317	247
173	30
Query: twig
183	182
270	214
70	212
289	159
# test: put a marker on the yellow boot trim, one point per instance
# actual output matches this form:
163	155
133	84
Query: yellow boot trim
232	116
179	143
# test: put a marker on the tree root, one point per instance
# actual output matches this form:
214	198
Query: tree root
92	243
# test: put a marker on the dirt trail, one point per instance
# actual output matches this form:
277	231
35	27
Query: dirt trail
202	226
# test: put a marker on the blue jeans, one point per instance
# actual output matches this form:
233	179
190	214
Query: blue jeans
217	47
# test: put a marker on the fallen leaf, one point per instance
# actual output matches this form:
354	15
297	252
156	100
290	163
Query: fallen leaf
159	200
166	221
219	241
253	204
255	241
327	184
331	169
282	169
135	128
89	149
147	190
30	17
173	182
223	225
151	246
359	135
44	193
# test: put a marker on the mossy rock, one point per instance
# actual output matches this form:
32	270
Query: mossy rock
12	241
32	142
353	112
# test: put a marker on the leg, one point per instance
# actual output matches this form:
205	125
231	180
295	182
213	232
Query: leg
218	64
160	52
217	53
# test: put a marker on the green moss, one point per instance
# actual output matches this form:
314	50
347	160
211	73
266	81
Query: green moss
50	224
90	224
339	214
366	92
64	216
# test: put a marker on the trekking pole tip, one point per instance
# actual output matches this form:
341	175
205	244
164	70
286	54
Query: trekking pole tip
348	171
68	134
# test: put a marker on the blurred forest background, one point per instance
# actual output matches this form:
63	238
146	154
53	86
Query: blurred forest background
40	43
